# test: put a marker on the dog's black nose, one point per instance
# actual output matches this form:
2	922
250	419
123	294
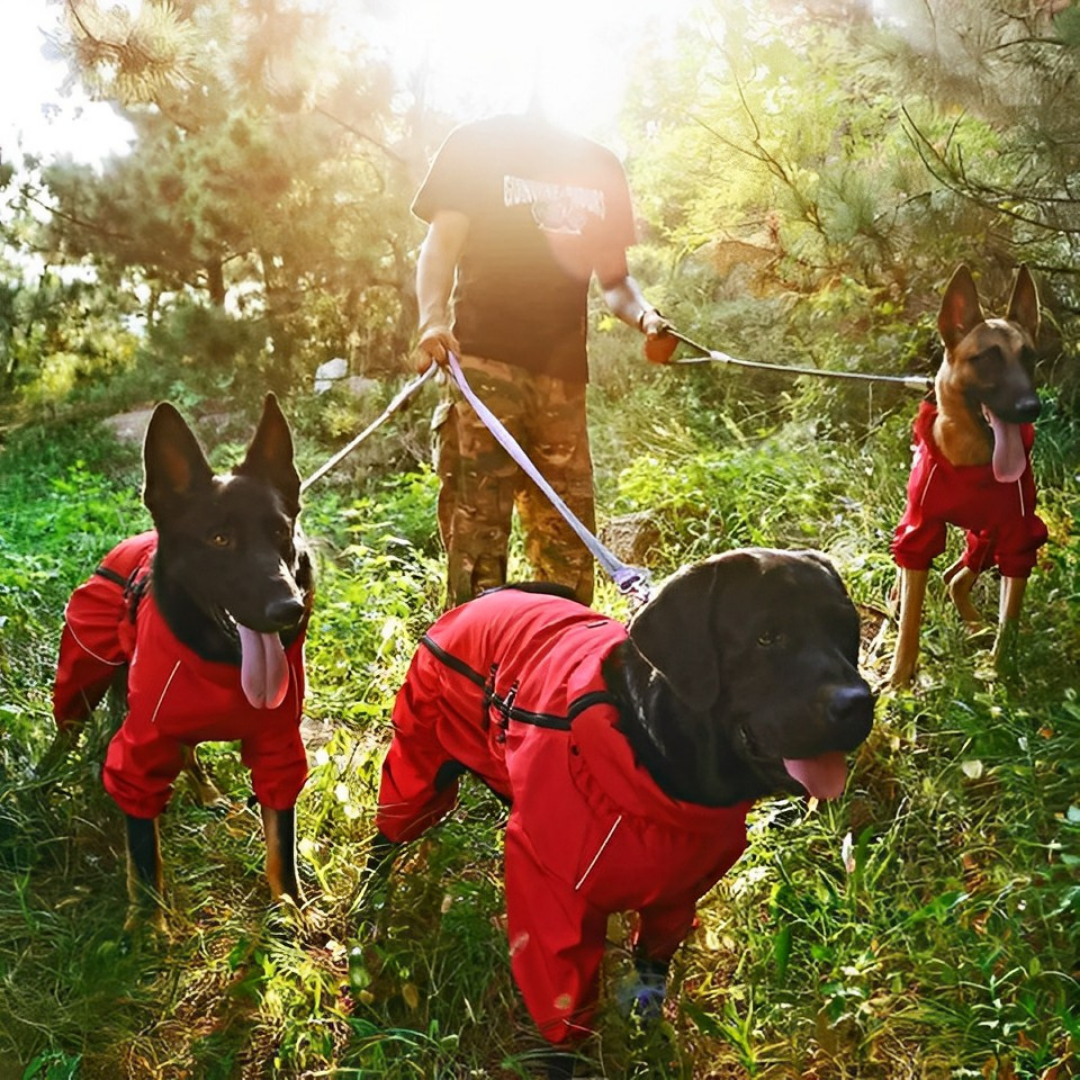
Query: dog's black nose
1026	409
285	612
851	713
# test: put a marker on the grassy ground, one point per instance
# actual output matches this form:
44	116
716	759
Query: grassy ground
926	926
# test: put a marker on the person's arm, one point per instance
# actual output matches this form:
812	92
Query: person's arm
435	269
624	299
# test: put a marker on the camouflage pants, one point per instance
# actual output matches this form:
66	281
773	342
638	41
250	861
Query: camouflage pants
480	485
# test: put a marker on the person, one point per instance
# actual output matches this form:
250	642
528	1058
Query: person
521	214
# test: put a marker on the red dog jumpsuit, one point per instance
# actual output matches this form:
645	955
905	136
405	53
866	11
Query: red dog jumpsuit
509	685
175	698
1000	519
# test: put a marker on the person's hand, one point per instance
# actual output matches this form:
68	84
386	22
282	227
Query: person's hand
435	343
659	344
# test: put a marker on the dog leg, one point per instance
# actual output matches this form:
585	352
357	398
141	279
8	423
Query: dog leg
643	997
144	877
206	791
559	1066
64	742
381	857
960	580
912	596
1012	600
279	829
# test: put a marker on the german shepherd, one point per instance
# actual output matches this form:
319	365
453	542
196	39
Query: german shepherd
206	616
972	466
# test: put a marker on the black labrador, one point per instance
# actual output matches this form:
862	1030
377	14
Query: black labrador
630	756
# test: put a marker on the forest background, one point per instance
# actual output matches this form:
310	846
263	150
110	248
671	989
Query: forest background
806	175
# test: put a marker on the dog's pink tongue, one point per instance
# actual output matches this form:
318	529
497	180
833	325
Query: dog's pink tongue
823	776
1009	459
264	672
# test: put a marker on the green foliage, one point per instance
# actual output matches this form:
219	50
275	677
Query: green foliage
789	158
57	333
927	921
261	178
926	925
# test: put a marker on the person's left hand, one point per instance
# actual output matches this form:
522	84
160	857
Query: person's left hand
660	346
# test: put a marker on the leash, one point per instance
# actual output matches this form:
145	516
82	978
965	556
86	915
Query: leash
404	396
632	581
922	383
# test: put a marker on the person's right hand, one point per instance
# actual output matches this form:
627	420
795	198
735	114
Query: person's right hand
435	343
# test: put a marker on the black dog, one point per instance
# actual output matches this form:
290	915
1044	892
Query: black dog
207	615
630	757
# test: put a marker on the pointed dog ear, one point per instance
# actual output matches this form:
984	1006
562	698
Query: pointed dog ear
174	464
1024	303
676	631
960	309
270	455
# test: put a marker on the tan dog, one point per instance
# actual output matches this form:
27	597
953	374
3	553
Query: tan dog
972	465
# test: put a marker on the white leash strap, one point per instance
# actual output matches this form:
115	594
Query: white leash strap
631	580
403	397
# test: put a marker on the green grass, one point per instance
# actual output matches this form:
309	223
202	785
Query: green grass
925	926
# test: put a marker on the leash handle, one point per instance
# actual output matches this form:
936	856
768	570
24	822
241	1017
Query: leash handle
402	398
631	581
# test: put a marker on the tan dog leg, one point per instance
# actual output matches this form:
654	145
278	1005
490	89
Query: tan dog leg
960	579
206	791
144	876
912	595
1012	600
279	830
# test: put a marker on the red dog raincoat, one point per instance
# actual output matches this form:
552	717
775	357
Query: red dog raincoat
510	686
175	698
1000	519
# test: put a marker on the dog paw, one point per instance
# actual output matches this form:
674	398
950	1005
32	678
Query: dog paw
144	926
642	996
290	918
559	1066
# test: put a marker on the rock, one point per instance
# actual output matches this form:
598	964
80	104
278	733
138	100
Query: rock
333	371
632	538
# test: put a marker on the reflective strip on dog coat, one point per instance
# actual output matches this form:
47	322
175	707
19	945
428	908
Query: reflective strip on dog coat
510	686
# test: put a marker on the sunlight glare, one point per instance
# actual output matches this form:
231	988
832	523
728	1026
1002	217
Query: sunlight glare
36	117
479	57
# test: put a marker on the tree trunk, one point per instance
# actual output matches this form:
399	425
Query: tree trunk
215	282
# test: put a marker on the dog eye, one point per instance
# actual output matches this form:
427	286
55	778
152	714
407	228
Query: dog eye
220	539
987	364
769	639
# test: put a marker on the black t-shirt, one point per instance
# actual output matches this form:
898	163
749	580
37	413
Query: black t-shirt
542	204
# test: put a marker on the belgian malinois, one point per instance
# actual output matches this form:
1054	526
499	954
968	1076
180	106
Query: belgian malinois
972	465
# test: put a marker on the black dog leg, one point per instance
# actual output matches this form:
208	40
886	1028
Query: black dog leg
560	1066
279	829
144	872
379	864
381	857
